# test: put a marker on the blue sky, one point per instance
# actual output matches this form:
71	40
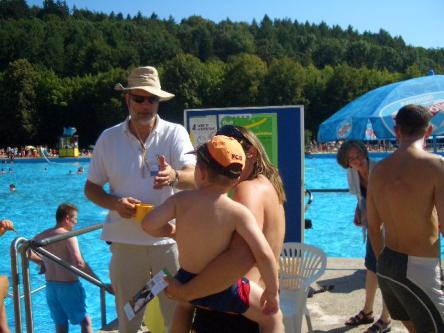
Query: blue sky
418	22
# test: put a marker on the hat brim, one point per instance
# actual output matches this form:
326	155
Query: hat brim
163	95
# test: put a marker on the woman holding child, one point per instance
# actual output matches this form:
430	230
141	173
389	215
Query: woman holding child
261	190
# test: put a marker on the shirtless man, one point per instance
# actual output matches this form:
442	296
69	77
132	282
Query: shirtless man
204	229
64	292
406	198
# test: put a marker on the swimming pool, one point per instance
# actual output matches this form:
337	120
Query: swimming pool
42	186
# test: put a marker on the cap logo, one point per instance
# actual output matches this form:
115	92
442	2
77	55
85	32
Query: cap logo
236	157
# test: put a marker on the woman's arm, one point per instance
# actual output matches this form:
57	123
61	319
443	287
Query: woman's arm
218	275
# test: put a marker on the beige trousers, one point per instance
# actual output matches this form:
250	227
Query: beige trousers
130	268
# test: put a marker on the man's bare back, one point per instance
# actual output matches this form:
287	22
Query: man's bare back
405	188
64	250
405	198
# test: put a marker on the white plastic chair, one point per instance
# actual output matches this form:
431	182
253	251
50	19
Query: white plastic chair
300	266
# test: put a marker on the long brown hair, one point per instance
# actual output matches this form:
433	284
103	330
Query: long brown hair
262	164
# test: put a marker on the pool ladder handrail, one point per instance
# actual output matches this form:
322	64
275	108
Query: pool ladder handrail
22	245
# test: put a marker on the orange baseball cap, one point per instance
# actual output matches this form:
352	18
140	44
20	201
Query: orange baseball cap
223	154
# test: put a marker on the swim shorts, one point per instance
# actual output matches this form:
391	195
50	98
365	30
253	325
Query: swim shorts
66	301
234	299
370	258
206	321
411	287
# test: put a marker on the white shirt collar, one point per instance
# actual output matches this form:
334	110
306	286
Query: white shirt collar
160	123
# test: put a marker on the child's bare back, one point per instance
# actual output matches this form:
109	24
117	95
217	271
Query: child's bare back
205	222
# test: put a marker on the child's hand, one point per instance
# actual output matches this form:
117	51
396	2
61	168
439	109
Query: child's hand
269	302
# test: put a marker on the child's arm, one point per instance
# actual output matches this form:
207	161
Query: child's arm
247	227
156	222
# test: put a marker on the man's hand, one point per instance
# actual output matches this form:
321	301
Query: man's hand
126	207
270	302
6	225
109	288
42	268
165	175
175	289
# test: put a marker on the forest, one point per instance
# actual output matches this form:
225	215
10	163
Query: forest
58	66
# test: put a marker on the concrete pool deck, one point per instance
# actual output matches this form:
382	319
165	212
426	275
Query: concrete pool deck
329	310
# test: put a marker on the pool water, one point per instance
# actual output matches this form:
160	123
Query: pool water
42	186
331	213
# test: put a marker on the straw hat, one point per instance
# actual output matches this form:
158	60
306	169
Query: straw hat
145	78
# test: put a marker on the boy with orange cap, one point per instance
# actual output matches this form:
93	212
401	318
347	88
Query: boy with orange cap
206	219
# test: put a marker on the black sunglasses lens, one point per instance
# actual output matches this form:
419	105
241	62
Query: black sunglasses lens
138	99
153	99
141	99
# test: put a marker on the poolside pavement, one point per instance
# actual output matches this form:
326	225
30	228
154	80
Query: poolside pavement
329	310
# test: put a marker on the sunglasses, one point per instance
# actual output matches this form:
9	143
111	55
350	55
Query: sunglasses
140	99
233	132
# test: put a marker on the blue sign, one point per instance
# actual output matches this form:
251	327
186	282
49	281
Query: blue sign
281	131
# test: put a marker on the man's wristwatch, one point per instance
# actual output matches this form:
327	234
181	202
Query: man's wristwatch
175	181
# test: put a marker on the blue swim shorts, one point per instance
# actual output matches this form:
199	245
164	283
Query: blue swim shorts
66	301
235	299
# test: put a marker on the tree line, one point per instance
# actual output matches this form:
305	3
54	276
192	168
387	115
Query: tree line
58	66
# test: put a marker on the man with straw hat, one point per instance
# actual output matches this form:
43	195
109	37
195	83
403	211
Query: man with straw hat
144	160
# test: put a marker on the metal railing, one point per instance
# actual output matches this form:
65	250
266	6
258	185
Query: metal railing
22	246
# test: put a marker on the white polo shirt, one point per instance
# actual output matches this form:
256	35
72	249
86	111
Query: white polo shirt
117	160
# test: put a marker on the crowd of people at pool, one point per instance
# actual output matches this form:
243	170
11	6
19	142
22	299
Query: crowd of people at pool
226	250
8	154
